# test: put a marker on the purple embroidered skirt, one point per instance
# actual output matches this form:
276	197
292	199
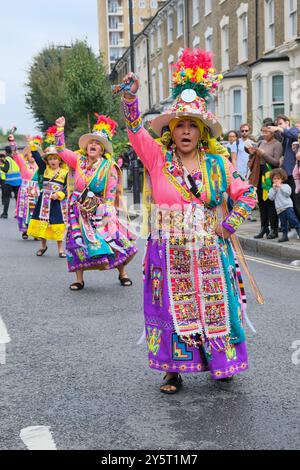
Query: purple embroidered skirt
78	256
168	351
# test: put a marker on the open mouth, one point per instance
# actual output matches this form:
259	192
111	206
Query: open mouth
186	140
93	149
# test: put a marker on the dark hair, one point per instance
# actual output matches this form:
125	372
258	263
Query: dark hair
244	125
279	172
268	121
284	118
233	132
266	125
8	150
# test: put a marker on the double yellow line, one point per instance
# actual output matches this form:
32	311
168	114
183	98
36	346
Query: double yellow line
272	263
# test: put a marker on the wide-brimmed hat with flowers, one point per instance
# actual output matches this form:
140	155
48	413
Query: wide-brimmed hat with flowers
37	140
103	132
194	81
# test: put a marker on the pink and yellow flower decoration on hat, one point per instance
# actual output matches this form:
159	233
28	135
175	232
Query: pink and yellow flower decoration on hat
195	80
50	136
194	70
106	126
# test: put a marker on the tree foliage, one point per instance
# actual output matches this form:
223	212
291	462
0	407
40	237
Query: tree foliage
72	82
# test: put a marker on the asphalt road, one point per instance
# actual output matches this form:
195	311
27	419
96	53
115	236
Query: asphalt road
73	363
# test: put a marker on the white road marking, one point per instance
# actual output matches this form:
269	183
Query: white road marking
38	438
273	263
4	339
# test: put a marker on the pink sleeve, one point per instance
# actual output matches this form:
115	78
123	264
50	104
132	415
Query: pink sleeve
147	149
296	176
69	157
19	159
244	197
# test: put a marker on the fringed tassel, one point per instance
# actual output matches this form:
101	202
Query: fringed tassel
142	339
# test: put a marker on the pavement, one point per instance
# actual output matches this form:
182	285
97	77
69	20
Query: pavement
286	251
73	362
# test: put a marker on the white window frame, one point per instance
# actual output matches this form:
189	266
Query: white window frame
196	42
291	16
207	7
152	45
269	24
170	73
209	38
196	12
277	103
180	20
224	25
153	86
160	82
170	31
260	98
233	114
159	41
242	13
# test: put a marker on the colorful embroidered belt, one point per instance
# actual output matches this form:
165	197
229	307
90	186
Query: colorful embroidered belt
192	220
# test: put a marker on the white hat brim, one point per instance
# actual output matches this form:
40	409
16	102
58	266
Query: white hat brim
87	138
163	120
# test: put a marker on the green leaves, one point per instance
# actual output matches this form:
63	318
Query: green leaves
70	81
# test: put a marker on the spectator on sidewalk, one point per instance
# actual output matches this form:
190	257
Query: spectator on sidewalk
264	158
280	193
242	159
13	181
232	146
296	171
290	135
270	122
4	167
242	156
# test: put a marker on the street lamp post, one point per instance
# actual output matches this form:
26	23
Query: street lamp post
135	164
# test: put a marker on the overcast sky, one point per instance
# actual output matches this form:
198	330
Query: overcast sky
27	28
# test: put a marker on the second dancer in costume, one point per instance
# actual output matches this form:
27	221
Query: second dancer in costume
49	218
29	190
95	239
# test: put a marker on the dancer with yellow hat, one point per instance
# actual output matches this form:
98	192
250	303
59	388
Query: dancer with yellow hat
96	239
49	218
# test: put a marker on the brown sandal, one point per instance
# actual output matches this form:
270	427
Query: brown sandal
42	251
175	381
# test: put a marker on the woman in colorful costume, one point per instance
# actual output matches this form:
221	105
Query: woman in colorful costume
29	190
95	238
49	218
194	300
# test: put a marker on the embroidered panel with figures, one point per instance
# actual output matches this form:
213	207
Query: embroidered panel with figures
197	287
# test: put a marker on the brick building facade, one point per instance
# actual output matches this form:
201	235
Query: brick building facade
256	45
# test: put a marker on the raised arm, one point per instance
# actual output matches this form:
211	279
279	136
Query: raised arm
39	161
69	157
148	150
245	199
